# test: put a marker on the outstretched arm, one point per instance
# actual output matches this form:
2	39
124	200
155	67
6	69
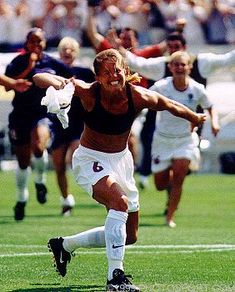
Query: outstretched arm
153	100
179	110
44	80
20	85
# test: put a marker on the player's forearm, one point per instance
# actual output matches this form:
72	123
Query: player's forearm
44	80
177	109
6	81
215	126
184	112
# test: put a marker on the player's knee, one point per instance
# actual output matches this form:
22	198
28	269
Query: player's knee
122	203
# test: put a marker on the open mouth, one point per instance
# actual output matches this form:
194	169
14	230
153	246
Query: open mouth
114	82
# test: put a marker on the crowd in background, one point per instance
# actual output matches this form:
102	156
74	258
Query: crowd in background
203	21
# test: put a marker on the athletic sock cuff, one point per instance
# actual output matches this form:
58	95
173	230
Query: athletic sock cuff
118	215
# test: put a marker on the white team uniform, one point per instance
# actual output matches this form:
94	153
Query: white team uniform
173	137
89	166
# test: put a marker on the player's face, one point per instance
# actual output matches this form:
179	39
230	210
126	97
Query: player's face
68	54
174	46
128	39
180	67
36	43
111	76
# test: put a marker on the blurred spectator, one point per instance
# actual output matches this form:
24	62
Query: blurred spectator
169	10
230	25
195	16
19	25
188	16
6	15
37	10
134	14
50	21
151	19
216	28
157	31
74	19
106	15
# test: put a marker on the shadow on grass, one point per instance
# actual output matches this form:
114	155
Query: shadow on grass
52	288
10	219
88	206
152	225
153	215
145	217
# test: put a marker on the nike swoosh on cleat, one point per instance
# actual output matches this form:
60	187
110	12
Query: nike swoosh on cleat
117	246
61	258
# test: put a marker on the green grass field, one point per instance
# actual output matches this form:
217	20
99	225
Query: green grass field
197	256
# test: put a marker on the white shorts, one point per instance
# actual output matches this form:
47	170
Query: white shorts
165	149
89	166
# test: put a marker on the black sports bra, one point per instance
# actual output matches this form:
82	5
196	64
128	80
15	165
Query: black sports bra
102	121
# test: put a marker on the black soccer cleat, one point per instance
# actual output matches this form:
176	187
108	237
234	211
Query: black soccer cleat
41	191
66	211
61	256
19	211
120	282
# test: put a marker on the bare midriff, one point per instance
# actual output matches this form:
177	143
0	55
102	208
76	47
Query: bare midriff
103	142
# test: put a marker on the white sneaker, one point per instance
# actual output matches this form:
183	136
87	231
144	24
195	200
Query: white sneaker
171	224
143	182
67	204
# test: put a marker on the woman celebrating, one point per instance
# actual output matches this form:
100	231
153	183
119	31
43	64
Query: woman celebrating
103	165
173	148
28	128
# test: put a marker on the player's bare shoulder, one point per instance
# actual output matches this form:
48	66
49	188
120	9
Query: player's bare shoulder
81	86
143	97
86	92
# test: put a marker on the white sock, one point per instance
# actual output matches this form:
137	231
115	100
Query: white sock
40	166
22	192
69	201
115	237
90	238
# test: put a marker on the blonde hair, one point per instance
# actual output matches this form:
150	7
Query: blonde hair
69	41
114	55
179	54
